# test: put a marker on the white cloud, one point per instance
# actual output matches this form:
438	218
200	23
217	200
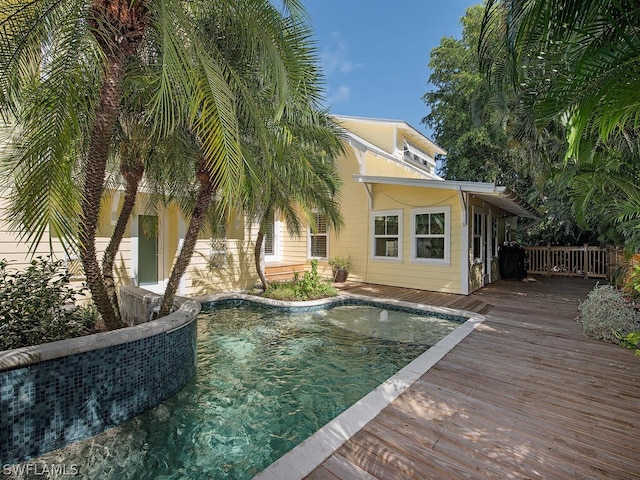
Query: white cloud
335	57
340	94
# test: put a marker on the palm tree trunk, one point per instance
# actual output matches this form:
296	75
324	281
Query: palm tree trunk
205	194
100	141
257	253
132	173
118	26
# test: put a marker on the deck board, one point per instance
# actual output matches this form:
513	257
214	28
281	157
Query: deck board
525	395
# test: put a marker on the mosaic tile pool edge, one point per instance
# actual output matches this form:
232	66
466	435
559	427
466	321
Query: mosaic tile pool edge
47	405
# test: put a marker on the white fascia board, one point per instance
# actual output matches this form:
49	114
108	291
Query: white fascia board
471	187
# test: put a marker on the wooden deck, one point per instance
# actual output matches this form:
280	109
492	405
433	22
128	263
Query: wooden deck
524	396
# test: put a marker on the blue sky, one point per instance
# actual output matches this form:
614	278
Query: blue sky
375	53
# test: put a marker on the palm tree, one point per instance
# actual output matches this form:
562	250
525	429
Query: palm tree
300	181
63	65
300	99
578	60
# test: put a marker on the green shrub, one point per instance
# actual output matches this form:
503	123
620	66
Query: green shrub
309	287
634	281
630	340
606	312
37	305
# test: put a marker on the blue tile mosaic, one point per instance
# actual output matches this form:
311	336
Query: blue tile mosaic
235	302
47	405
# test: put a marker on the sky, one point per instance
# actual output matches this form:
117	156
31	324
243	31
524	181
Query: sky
375	53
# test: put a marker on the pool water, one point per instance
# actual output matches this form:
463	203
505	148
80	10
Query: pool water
266	380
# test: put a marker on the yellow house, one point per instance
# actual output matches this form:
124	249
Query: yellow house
404	225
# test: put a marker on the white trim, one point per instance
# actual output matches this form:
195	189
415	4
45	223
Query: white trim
483	216
182	287
363	145
446	261
386	213
465	265
133	239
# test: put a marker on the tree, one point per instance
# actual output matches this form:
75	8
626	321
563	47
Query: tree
66	61
490	134
579	60
300	180
576	64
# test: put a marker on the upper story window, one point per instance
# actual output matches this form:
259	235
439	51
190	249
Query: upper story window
430	228
415	155
319	238
387	234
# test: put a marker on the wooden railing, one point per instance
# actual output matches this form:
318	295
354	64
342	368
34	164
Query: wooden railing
584	261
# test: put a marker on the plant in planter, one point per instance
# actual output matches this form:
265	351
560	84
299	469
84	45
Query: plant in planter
340	267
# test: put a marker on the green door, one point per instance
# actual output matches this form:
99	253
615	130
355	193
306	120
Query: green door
147	249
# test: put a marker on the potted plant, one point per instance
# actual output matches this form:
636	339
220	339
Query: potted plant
340	267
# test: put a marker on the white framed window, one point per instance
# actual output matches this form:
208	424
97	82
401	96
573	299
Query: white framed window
478	236
387	234
430	235
318	239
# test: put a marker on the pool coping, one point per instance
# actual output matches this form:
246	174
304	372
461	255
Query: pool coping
313	451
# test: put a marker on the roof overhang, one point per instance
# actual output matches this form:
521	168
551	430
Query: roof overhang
499	196
366	146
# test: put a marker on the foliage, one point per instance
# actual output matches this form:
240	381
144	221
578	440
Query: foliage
577	60
630	340
490	134
309	287
38	305
634	280
573	64
67	69
606	312
340	263
299	179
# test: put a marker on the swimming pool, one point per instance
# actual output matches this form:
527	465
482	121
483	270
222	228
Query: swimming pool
266	380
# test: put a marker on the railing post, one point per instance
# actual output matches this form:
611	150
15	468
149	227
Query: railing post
548	259
585	262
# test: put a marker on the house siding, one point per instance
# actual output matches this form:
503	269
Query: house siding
405	272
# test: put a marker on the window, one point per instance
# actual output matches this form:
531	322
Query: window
416	155
478	237
318	239
430	235
269	237
218	247
387	229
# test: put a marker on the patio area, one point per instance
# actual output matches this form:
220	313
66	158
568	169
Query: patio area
525	395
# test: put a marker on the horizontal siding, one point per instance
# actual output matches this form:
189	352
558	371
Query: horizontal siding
237	271
406	273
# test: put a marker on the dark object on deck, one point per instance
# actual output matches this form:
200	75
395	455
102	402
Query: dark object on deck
513	262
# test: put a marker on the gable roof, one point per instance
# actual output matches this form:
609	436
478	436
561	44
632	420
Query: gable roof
404	127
